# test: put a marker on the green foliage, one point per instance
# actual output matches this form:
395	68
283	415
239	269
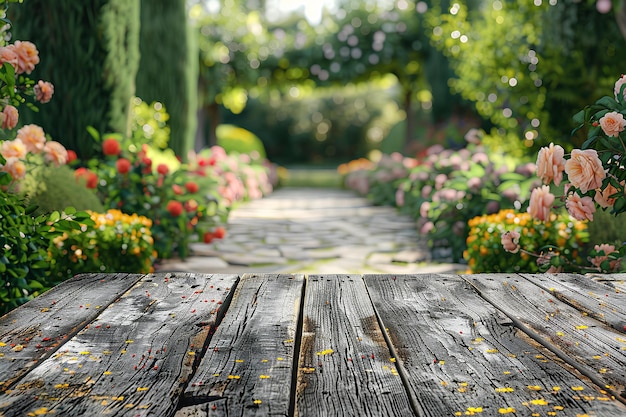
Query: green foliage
322	125
528	81
89	50
236	139
561	235
149	124
24	243
607	227
168	69
51	188
111	242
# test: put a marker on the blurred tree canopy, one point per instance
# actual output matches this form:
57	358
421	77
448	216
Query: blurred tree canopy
529	65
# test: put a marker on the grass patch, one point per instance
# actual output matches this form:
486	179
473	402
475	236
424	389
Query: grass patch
313	178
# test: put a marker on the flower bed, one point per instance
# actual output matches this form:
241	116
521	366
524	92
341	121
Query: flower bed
444	189
112	242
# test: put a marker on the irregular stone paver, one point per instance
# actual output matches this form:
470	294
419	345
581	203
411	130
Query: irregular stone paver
315	231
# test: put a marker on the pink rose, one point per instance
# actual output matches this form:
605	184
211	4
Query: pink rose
400	197
580	208
13	149
43	91
55	153
541	201
510	241
584	170
27	56
612	123
603	198
10	117
550	164
33	137
618	86
7	54
598	259
15	168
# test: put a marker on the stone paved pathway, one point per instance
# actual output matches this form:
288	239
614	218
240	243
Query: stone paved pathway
299	230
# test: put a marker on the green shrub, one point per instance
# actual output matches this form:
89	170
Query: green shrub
237	139
115	242
51	188
561	235
90	51
24	243
606	227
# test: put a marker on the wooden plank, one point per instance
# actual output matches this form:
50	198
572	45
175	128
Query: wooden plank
594	349
460	357
346	368
616	280
35	330
134	359
249	365
598	299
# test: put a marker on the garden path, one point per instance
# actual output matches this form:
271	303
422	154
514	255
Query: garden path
314	230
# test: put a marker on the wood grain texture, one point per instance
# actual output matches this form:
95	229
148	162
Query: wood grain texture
461	357
346	368
598	299
594	348
248	367
35	330
615	280
134	359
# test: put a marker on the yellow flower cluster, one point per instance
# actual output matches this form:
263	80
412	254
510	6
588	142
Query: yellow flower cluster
485	253
112	217
355	165
101	245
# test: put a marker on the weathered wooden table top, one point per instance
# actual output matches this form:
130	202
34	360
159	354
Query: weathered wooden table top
318	345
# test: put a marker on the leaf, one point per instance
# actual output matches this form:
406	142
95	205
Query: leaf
580	118
94	133
608	102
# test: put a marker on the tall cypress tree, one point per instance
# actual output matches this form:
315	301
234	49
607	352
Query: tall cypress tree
89	50
168	70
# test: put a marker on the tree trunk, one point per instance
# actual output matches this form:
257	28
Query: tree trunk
410	120
214	121
620	16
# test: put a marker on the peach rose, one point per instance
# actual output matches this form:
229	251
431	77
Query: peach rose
15	167
510	241
603	197
13	149
584	170
43	91
33	137
55	153
27	56
7	54
612	123
10	117
550	164
598	259
580	208
618	86
541	201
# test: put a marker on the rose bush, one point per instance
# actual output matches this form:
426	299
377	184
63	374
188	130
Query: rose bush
181	205
588	179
